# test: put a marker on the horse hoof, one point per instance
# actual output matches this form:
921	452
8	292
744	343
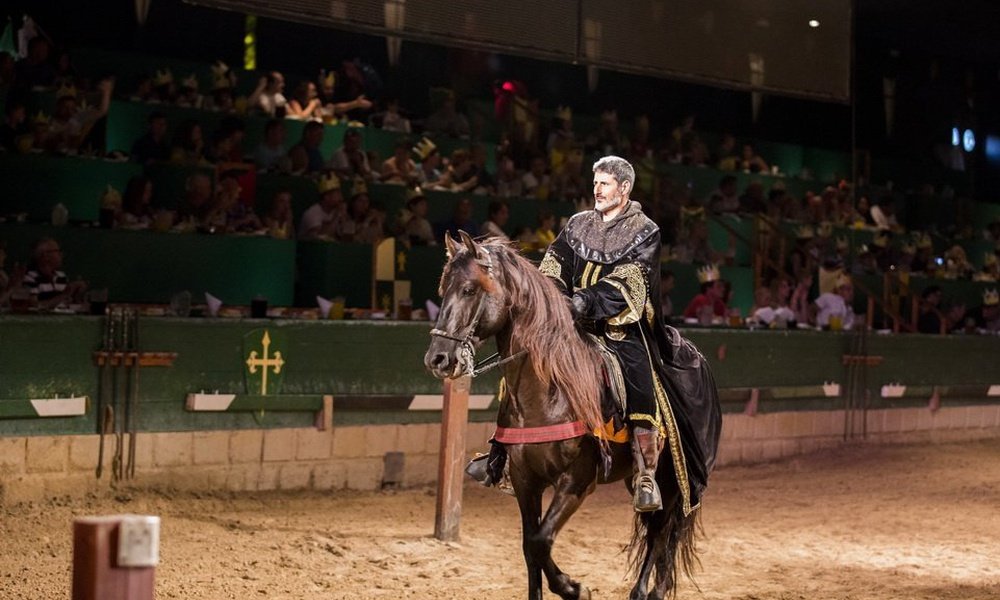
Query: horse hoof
584	593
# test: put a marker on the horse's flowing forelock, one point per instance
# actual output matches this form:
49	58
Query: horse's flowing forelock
544	327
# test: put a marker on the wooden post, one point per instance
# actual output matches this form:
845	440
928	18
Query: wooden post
451	461
114	557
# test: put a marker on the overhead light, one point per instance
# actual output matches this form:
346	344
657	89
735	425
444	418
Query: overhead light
968	140
813	23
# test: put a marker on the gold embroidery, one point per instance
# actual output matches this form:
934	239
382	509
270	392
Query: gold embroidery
650	312
615	332
550	267
586	275
673	435
628	280
595	275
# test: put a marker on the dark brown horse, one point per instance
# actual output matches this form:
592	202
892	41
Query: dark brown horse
553	378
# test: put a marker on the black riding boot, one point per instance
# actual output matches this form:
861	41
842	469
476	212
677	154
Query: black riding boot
487	469
646	448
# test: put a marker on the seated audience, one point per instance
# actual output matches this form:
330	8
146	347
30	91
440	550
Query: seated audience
709	304
350	161
15	125
499	213
417	230
268	97
153	145
188	147
279	219
400	168
364	223
46	282
311	143
326	218
461	220
833	309
271	153
137	210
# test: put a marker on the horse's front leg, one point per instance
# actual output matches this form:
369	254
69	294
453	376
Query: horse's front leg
529	500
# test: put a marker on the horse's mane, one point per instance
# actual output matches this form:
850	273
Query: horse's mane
560	353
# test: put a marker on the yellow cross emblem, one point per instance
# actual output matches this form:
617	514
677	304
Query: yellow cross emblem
401	262
266	363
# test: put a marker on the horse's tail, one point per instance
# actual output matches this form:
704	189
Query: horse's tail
667	539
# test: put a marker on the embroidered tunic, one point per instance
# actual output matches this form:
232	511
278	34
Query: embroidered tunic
614	266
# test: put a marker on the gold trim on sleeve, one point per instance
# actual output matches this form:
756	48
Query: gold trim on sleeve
551	267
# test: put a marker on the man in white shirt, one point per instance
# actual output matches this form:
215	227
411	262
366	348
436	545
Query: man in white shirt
268	96
326	218
836	305
499	213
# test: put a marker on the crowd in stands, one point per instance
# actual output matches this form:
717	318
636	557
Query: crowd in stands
808	277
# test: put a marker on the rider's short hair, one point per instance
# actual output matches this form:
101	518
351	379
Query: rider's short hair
617	167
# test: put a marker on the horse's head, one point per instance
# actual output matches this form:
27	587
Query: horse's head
472	307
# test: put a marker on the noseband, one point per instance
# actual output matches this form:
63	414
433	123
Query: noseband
467	342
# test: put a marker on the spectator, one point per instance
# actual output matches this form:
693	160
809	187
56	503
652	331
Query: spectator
508	180
400	168
364	223
137	212
392	120
270	154
279	219
164	90
48	284
223	80
350	161
304	104
536	182
986	316
228	213
929	317
726	157
751	161
833	309
268	97
461	173
708	305
326	218
188	146
70	124
561	138
332	109
883	214
197	202
725	199
799	303
235	128
761	311
447	120
608	139
667	282
568	184
428	173
545	234
8	281
781	291
187	93
417	229
153	145
15	125
461	220
499	213
752	200
311	142
485	182
35	70
641	146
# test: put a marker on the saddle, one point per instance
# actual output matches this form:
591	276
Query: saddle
613	396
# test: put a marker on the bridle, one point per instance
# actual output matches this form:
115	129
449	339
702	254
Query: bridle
467	343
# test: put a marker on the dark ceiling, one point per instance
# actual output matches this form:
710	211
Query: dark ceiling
960	29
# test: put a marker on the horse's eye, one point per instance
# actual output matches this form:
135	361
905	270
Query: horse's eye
469	290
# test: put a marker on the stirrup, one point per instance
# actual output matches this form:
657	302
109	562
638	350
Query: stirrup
647	494
477	470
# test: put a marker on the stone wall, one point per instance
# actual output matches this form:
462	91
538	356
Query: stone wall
37	467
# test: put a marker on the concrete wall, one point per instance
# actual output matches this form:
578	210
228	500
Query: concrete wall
37	467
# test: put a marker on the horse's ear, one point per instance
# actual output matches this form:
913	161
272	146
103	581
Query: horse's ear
471	245
450	246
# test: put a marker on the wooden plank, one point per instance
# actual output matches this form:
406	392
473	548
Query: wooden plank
96	572
454	423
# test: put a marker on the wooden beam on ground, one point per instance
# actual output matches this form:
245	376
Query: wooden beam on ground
452	458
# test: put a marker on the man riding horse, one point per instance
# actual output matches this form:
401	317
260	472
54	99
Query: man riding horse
606	262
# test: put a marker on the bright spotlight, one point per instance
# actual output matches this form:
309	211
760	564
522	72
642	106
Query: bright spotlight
813	23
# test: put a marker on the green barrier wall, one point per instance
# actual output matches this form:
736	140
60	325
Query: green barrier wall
46	357
142	266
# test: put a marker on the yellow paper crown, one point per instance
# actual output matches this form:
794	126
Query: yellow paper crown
358	186
328	182
111	198
163	77
842	243
991	297
564	113
330	80
693	212
708	273
805	232
923	241
825	229
880	240
424	148
190	82
40	119
65	91
414	193
221	77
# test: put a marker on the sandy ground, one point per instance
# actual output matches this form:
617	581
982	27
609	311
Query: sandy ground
860	523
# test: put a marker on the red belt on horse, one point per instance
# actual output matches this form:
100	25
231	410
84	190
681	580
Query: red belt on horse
539	435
